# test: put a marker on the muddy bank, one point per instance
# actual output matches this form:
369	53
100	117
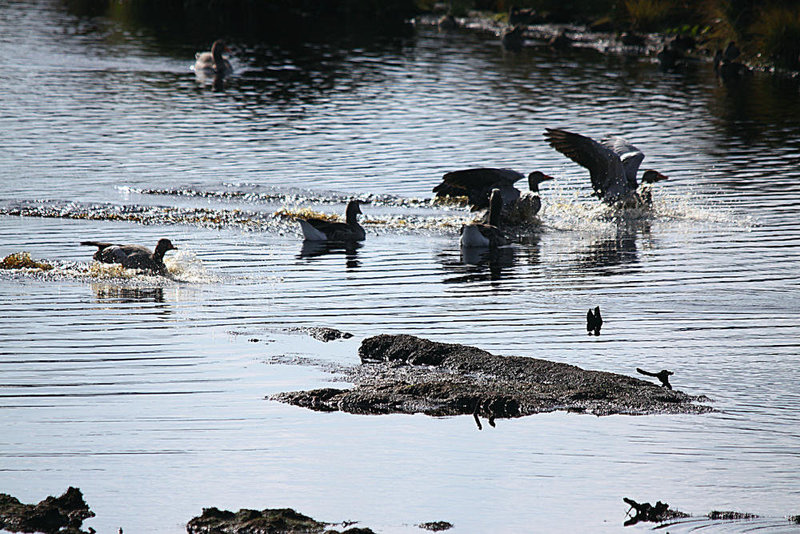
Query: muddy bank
270	520
64	514
407	374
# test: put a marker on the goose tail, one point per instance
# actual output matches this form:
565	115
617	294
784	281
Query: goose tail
97	244
310	233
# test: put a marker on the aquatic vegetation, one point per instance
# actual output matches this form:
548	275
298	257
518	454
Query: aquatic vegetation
23	260
647	14
305	213
777	34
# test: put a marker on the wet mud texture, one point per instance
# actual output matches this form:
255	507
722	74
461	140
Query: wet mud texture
64	514
407	374
268	521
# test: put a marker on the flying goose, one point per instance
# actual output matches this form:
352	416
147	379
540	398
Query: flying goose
322	230
133	256
485	235
213	63
613	164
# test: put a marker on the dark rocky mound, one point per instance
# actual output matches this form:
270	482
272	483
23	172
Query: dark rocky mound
407	374
62	515
268	521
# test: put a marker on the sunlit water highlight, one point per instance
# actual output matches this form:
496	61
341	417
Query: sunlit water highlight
148	392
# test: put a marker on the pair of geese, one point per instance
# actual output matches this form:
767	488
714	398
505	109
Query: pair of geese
613	165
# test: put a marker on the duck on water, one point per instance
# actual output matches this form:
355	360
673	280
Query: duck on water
613	164
485	235
133	256
476	184
213	64
322	230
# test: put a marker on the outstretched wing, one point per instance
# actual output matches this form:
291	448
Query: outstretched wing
630	155
476	184
479	178
605	166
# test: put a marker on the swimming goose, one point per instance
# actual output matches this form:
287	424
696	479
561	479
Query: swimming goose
476	184
485	235
213	63
133	256
613	164
322	230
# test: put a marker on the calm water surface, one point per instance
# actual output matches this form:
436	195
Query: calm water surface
148	394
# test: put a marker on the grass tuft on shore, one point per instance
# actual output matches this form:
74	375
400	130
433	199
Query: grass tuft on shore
776	33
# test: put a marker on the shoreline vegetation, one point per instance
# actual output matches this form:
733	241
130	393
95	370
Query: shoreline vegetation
766	33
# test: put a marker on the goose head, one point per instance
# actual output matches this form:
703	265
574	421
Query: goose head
353	209
162	247
535	178
650	177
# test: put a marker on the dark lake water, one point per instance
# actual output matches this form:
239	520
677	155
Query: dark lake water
148	393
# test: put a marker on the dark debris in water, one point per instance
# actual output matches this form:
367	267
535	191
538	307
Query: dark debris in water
407	374
661	512
63	515
322	333
648	513
729	515
267	521
436	526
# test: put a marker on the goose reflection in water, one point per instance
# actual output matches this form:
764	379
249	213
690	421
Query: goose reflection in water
128	295
479	264
316	249
605	255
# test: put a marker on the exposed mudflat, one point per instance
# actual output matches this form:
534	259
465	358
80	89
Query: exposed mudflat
407	374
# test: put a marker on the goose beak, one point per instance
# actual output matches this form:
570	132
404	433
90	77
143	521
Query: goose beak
546	177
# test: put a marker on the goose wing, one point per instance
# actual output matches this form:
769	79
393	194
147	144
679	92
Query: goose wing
337	231
605	166
477	183
481	177
630	156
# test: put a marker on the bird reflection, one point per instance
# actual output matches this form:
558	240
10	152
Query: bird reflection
315	249
219	83
479	264
111	293
604	255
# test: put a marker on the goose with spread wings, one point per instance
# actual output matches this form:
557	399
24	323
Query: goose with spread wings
613	164
478	183
133	256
